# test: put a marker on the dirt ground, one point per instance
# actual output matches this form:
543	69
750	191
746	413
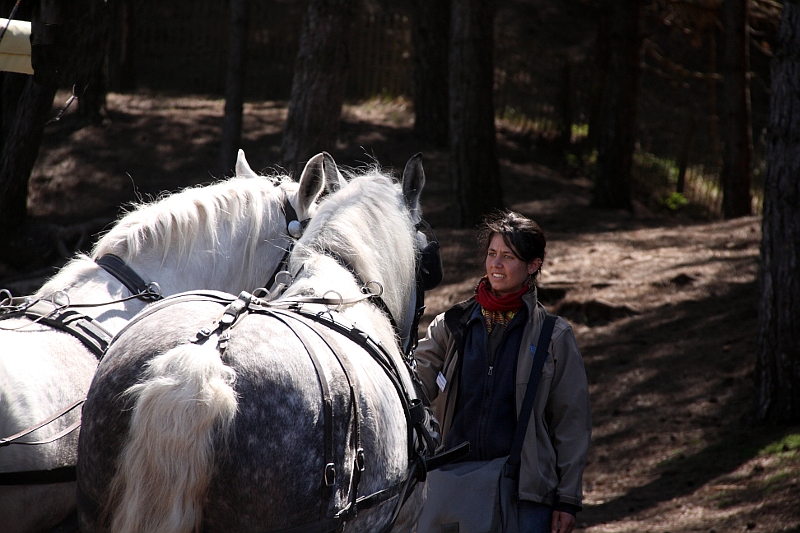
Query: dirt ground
663	304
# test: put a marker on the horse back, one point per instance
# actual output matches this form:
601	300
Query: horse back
268	469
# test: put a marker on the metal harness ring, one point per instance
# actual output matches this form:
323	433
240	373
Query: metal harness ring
330	306
367	288
55	297
153	289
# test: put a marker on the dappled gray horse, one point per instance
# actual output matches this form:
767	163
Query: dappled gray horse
230	236
214	413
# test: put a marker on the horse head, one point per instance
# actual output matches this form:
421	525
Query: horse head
228	236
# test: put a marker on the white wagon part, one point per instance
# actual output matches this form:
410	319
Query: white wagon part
15	46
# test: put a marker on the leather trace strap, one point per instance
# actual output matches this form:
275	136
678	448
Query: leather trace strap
128	277
14	439
41	477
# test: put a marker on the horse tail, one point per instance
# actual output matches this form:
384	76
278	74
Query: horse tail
165	467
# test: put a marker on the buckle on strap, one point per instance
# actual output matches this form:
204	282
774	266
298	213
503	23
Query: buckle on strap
329	475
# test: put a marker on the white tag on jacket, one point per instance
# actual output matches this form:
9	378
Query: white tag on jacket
441	381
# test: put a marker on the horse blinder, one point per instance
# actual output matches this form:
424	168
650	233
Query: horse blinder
430	266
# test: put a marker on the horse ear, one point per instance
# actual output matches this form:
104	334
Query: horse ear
413	183
333	178
243	168
312	181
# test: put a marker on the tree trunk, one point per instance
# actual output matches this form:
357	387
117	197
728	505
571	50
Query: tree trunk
69	40
67	47
600	60
735	110
473	146
25	112
778	350
566	111
234	85
121	66
318	85
616	136
431	35
92	101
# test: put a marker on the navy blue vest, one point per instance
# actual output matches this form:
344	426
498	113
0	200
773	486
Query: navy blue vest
485	411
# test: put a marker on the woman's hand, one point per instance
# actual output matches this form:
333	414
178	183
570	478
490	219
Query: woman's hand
563	522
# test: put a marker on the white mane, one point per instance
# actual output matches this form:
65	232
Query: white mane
368	225
196	220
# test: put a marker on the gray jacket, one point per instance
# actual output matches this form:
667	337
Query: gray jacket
558	435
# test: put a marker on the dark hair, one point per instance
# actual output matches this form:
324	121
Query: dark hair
524	236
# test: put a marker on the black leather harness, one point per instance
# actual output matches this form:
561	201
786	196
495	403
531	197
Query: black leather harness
86	329
422	446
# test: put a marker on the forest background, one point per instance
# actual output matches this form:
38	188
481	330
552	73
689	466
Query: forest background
662	295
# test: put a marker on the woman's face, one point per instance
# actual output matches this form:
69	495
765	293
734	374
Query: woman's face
507	273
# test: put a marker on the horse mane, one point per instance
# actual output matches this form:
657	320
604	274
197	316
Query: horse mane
368	215
195	217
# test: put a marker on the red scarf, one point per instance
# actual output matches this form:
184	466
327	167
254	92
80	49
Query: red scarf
492	302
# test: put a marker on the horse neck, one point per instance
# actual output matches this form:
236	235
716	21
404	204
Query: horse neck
231	267
231	255
326	277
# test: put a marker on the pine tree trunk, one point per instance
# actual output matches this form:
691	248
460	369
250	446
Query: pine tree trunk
473	146
319	82
431	35
735	110
234	85
26	108
778	352
616	134
121	66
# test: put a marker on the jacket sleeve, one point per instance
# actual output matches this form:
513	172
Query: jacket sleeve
568	416
430	355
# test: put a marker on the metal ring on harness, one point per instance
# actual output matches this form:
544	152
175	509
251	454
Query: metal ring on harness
367	288
10	297
330	306
284	274
54	300
261	292
153	289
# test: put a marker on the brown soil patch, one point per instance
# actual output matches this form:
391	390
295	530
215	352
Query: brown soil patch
664	306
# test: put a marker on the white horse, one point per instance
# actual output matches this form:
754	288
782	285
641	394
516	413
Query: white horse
228	236
217	414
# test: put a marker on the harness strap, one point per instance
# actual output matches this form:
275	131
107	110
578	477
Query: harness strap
329	472
127	276
14	439
294	228
84	328
351	510
378	353
63	474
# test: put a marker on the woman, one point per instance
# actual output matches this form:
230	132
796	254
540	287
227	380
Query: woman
478	355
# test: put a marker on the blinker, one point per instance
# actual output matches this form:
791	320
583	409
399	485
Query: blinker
431	271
